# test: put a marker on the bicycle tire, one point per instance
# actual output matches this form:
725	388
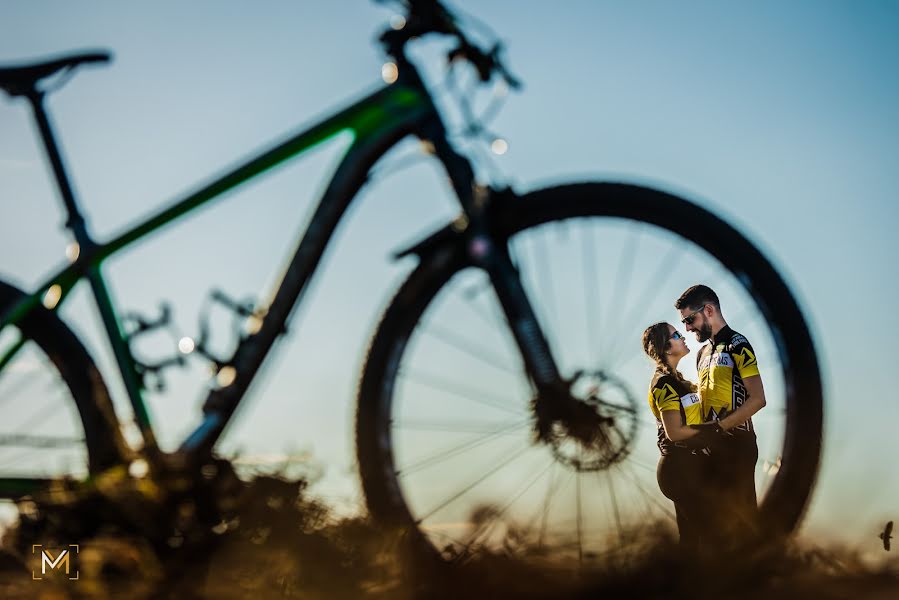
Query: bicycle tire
787	495
82	382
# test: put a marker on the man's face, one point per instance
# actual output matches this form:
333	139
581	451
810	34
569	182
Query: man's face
696	320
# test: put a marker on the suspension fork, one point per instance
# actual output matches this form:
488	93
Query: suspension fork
483	249
494	258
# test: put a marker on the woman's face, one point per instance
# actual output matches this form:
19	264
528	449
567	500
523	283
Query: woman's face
677	344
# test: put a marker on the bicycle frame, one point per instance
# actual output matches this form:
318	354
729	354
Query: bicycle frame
377	122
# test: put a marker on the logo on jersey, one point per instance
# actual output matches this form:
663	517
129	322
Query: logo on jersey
716	414
738	339
689	400
665	394
747	358
722	359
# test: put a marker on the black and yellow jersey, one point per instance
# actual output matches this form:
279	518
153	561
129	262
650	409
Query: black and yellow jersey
723	364
666	392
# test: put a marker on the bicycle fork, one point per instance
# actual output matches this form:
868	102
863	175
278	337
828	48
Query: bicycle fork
532	343
553	403
495	259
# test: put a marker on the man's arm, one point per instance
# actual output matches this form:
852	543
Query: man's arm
755	401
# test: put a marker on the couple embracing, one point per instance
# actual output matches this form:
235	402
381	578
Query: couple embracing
705	432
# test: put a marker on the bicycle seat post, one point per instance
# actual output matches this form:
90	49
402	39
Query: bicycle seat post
75	220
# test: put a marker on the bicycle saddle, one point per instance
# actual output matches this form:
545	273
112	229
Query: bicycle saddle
22	80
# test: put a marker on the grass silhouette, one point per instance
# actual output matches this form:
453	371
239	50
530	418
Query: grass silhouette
280	542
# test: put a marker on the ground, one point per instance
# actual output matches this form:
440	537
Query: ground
280	544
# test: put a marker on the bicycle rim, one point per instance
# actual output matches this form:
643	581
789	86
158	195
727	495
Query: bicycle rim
444	435
57	416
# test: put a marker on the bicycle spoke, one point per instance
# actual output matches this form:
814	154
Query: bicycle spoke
646	512
497	320
748	316
548	286
471	348
460	391
591	290
717	276
38	441
471	485
551	463
524	380
450	427
618	407
544	516
456	449
770	413
38	418
470	297
521	491
17	388
633	460
542	310
437	532
580	518
611	489
622	282
657	281
625	362
28	367
649	496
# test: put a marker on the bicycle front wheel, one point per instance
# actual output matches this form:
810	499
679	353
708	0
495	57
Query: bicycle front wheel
57	418
445	417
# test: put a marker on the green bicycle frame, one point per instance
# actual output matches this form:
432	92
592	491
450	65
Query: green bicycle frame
375	122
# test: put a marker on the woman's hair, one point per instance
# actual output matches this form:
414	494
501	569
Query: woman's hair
655	341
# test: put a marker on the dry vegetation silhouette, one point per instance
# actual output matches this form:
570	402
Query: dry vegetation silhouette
280	542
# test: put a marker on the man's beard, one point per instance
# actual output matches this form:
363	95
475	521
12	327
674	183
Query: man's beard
704	332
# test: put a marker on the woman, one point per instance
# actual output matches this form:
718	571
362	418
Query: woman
675	405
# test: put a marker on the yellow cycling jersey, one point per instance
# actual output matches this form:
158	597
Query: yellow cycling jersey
666	392
723	364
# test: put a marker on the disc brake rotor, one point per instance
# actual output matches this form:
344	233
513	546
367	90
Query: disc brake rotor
597	427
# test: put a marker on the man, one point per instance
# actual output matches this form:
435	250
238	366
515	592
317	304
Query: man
731	392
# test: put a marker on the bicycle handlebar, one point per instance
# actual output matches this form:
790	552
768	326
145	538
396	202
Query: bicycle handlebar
431	16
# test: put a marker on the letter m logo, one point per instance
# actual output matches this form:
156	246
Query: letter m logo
47	559
61	560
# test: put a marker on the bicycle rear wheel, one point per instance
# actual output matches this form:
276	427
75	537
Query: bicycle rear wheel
444	424
57	417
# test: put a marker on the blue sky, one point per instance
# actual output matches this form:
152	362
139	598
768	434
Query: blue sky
782	118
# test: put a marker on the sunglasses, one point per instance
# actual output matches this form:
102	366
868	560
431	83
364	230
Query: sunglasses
688	320
676	336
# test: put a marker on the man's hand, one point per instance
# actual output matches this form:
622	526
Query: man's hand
708	434
710	427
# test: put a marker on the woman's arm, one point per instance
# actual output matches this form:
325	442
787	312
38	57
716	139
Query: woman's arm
675	430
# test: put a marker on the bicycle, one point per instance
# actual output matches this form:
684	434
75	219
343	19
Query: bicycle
576	421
